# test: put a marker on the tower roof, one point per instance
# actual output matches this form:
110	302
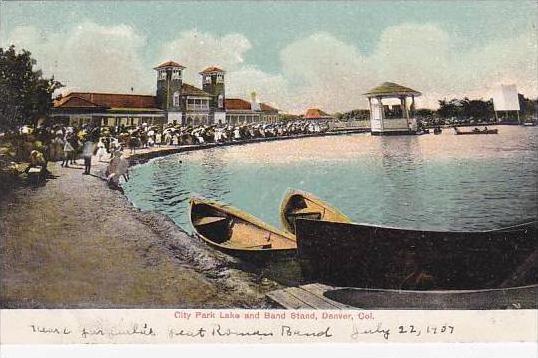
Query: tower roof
387	89
169	64
212	69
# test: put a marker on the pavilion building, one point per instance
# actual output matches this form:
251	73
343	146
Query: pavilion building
392	109
175	102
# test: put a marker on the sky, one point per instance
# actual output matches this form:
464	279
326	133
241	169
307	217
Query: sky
294	55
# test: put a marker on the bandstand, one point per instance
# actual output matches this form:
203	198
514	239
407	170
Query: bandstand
392	108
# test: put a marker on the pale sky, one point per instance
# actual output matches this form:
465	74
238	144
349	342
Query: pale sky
293	54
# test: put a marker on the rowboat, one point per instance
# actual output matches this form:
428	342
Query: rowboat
300	204
476	131
490	299
367	256
238	233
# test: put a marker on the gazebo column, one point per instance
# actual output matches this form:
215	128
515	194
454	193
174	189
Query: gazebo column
403	104
381	112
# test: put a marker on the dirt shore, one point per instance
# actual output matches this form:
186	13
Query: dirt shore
74	243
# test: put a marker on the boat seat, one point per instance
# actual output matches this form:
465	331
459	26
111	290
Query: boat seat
208	220
305	211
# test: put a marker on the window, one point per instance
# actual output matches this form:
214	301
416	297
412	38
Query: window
162	74
221	101
194	104
207	79
176	74
175	99
220	78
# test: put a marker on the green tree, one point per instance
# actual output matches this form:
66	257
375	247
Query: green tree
26	94
477	108
448	109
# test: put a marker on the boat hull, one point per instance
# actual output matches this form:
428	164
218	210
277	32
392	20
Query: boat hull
221	226
378	257
489	131
504	298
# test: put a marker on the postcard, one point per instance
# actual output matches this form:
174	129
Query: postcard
261	172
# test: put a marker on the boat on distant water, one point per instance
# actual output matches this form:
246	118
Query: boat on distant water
523	297
300	204
476	131
368	256
238	233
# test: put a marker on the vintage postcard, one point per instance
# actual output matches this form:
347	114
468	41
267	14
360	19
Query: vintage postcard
268	172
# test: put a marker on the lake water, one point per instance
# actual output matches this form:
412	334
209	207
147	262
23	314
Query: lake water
425	182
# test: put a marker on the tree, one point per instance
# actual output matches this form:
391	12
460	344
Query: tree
26	94
477	108
449	109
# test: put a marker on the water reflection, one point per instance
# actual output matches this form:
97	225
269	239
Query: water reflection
215	179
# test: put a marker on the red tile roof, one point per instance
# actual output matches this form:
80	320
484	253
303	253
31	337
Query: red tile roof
190	90
109	100
211	69
74	102
168	64
313	113
239	104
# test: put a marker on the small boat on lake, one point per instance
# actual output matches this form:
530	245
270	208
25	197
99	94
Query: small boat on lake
368	256
503	298
476	131
238	233
300	204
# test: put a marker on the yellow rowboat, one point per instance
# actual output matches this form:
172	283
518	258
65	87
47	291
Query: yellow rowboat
238	233
299	204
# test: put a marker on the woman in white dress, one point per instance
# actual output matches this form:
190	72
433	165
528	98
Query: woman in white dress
101	150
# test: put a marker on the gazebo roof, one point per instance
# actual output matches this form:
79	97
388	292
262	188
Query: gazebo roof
391	89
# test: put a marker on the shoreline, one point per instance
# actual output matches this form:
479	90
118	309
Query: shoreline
75	243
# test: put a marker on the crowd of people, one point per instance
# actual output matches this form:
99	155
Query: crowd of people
69	143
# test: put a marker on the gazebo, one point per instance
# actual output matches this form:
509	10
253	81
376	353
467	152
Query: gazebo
397	117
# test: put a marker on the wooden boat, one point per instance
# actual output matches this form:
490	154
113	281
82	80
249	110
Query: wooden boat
359	255
300	204
437	130
476	131
504	298
238	233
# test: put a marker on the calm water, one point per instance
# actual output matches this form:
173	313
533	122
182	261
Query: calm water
428	182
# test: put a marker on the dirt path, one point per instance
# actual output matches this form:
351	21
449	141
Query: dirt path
75	243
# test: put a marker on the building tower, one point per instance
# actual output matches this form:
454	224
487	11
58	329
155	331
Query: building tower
213	83
169	82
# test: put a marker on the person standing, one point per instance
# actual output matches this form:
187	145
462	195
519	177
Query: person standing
87	152
68	152
101	150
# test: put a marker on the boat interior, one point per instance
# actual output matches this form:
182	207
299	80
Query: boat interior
229	230
300	207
